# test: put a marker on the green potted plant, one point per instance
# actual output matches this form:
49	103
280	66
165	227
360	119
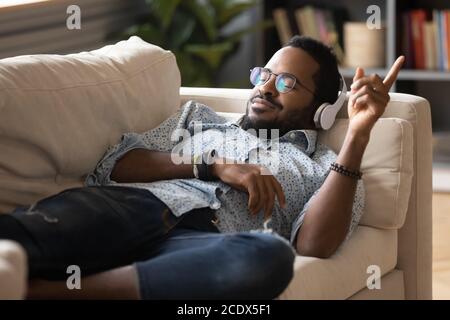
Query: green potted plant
194	31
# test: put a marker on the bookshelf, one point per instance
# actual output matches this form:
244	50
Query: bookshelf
391	11
432	84
406	74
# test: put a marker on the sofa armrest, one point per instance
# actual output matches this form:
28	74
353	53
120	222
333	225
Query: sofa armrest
13	270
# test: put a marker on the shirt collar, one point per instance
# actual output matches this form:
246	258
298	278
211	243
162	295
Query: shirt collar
307	139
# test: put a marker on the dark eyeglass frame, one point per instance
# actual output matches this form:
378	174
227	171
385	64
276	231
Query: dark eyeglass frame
296	81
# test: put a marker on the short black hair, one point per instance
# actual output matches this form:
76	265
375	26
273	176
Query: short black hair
327	79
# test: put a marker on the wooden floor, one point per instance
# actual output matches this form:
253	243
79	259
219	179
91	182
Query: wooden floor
441	246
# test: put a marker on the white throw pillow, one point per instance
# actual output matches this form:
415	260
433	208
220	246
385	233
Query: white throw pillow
60	113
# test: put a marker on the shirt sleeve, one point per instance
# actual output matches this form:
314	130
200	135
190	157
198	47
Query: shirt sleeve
157	139
357	212
102	172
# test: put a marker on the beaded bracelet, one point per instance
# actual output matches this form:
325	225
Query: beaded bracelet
343	170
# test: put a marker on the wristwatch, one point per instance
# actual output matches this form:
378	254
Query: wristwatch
203	169
196	161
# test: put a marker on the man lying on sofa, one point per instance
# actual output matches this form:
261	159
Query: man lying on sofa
223	227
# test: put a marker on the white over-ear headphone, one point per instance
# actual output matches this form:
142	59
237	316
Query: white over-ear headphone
326	113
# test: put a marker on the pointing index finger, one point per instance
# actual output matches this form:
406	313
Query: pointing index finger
393	72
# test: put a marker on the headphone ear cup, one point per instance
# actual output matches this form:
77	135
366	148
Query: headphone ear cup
327	117
318	115
326	113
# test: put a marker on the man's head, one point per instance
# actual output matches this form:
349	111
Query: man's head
315	69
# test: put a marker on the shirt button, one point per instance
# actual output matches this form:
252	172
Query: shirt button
215	205
292	135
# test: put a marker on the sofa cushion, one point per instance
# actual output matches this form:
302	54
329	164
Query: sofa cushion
60	113
392	288
346	272
387	168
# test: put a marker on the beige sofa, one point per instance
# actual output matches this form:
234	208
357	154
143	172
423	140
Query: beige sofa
59	114
395	231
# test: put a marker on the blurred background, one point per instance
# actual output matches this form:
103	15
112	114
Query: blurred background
216	42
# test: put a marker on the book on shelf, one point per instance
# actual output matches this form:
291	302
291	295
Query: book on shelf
445	39
407	43
430	49
281	19
306	21
319	24
426	39
417	26
313	22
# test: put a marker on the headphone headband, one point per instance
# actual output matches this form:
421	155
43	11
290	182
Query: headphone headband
342	95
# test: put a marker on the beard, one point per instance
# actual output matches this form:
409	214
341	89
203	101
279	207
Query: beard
295	120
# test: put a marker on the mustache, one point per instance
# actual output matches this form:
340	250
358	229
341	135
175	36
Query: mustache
267	98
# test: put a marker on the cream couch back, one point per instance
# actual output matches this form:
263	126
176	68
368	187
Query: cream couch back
60	113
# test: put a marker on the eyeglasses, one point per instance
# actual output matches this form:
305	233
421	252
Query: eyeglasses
284	82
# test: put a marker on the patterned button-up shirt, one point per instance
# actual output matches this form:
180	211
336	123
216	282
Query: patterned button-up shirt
296	159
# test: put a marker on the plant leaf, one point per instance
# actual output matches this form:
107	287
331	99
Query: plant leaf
205	14
193	71
212	54
164	10
260	25
181	30
218	5
232	9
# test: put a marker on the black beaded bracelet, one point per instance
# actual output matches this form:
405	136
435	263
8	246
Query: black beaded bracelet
343	170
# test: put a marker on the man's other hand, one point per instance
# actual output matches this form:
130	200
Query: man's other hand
261	187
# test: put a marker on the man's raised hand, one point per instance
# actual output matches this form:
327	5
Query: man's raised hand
369	96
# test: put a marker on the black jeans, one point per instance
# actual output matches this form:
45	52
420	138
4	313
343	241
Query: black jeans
100	228
96	228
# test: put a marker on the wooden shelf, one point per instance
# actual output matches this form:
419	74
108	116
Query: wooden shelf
429	75
350	72
405	74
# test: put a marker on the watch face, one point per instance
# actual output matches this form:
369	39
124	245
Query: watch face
208	156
